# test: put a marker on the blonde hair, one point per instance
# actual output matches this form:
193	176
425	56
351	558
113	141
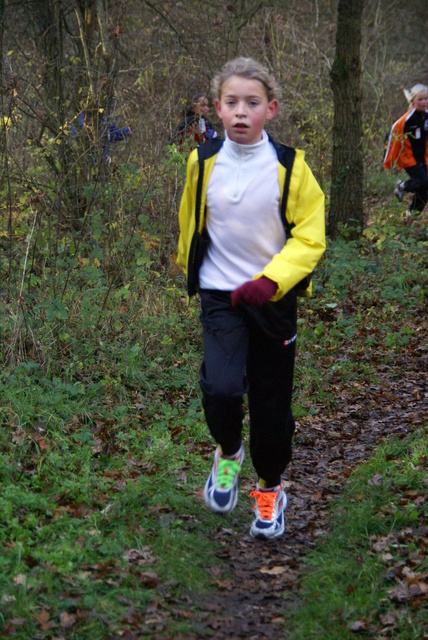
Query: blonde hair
414	91
246	68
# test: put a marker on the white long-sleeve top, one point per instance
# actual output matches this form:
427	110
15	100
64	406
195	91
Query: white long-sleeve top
243	215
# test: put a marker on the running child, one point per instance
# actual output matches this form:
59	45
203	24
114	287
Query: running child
408	149
251	232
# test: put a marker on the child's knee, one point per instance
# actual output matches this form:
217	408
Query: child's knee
222	386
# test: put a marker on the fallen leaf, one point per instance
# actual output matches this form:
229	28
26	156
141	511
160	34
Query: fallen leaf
7	598
389	619
376	481
44	621
18	622
387	557
67	620
139	556
149	579
275	571
399	593
359	626
418	589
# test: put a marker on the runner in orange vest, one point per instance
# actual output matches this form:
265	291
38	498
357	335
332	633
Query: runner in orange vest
408	149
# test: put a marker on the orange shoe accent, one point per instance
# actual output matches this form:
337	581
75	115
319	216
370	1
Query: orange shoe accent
265	503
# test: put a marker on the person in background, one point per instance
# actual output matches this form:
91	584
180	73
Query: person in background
261	247
408	149
109	133
195	126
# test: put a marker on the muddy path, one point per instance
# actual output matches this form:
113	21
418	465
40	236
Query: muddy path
257	579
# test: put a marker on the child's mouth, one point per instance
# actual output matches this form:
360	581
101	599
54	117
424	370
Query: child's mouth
241	126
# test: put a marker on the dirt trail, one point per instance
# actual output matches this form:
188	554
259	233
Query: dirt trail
259	579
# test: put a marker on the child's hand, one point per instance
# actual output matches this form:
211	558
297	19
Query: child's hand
255	292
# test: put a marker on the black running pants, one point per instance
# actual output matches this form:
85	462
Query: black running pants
249	350
418	185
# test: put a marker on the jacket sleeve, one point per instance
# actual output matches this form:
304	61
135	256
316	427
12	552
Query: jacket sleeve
396	143
186	215
306	244
392	151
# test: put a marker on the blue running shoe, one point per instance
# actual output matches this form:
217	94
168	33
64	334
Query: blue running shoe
221	488
269	521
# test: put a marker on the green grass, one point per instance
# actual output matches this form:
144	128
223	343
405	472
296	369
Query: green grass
73	522
104	450
89	473
376	544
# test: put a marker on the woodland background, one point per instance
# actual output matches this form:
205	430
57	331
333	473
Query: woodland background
103	446
137	64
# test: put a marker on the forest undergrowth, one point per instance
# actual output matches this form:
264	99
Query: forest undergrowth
104	453
103	446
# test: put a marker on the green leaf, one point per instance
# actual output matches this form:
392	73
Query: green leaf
56	311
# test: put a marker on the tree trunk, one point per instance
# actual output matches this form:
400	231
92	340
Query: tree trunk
346	198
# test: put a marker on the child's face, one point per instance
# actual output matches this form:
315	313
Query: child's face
244	108
420	102
201	107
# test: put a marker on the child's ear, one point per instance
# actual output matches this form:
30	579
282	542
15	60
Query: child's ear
217	106
272	109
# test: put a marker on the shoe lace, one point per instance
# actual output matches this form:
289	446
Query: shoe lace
226	473
265	502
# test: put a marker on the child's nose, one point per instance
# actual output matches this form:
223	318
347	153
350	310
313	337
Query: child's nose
242	108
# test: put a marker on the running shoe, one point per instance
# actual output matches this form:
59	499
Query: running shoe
399	191
269	521
221	488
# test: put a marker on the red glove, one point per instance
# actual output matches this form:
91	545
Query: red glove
255	292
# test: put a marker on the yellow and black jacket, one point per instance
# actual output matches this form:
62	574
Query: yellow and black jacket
302	211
